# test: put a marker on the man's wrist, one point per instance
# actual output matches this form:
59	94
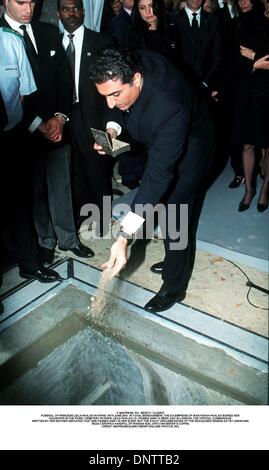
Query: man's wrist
126	236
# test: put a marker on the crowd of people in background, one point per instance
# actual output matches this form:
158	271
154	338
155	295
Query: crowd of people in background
224	55
222	46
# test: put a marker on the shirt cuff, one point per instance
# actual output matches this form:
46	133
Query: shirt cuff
131	222
36	122
114	125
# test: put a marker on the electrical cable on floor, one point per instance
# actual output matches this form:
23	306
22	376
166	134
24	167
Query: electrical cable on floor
251	285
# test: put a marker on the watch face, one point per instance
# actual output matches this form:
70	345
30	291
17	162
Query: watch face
64	118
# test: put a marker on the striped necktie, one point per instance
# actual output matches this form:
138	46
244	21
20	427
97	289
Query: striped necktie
71	55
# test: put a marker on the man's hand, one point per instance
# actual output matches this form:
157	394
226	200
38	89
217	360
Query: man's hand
52	129
113	134
118	257
43	128
55	128
246	52
215	95
99	149
262	63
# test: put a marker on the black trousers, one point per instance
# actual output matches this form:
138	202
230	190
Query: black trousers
189	188
16	198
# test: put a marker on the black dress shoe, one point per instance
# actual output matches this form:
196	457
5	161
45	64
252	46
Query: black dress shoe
157	268
262	207
46	256
235	183
42	275
86	249
80	250
245	206
164	300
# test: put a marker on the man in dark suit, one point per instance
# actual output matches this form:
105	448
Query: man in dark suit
225	16
199	43
92	176
46	113
16	83
161	109
120	26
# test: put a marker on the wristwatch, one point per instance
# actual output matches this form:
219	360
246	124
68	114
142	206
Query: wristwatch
63	116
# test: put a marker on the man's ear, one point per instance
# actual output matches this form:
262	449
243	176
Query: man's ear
137	80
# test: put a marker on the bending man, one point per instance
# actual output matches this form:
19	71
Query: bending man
162	110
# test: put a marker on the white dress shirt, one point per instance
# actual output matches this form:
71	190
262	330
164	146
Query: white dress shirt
78	41
16	26
190	15
230	7
16	77
232	10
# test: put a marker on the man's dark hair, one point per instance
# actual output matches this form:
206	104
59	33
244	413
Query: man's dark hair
59	3
114	64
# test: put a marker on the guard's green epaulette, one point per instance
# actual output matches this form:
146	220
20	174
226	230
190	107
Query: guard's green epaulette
9	30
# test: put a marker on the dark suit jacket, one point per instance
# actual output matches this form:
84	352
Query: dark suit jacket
174	123
92	174
224	18
204	61
91	104
54	79
119	27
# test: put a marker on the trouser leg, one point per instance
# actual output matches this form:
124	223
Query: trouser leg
178	263
60	197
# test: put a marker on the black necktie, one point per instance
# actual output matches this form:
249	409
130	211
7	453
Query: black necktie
70	52
30	49
195	28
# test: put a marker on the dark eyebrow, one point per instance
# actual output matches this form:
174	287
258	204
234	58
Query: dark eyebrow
113	93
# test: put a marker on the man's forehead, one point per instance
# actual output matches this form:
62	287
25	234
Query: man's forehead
21	2
110	86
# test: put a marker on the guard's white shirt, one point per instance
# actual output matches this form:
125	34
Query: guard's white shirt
16	77
16	26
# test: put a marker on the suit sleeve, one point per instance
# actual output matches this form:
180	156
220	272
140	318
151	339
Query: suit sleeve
64	82
163	154
211	77
55	85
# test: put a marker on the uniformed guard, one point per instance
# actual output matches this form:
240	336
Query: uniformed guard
17	81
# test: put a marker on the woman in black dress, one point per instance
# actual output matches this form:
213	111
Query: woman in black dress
151	27
251	33
260	102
